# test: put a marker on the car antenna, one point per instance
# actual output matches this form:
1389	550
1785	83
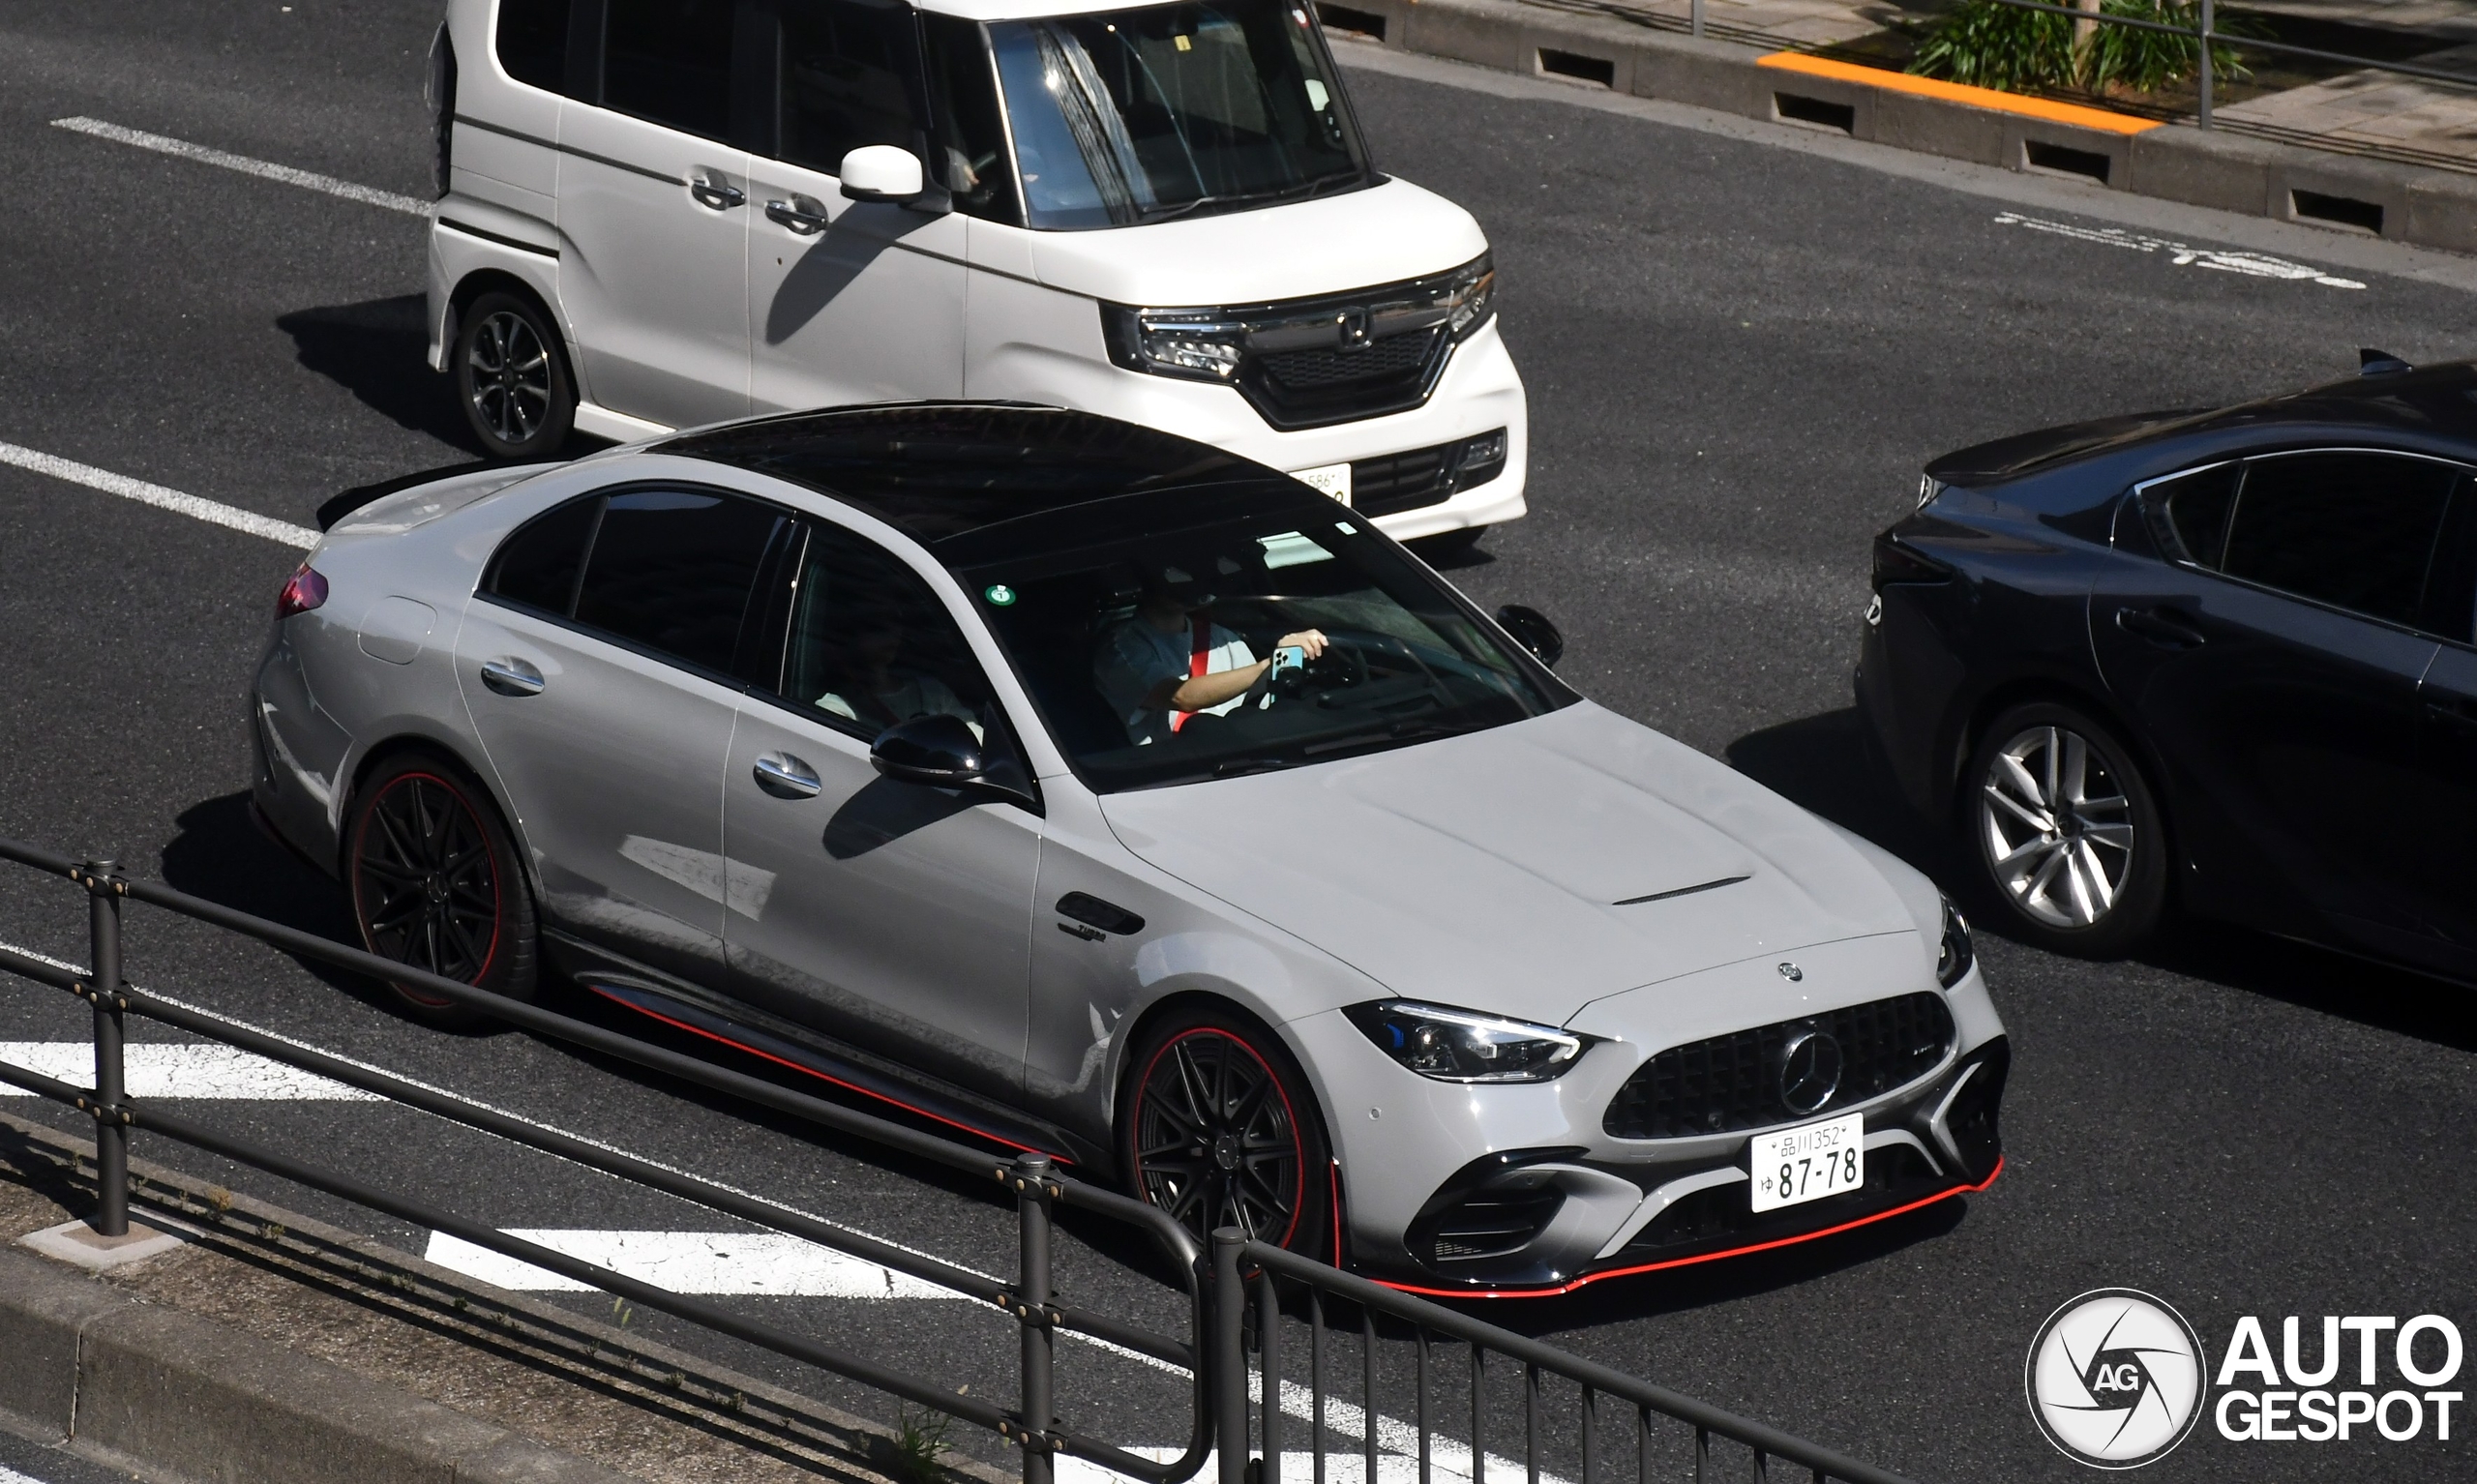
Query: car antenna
2378	363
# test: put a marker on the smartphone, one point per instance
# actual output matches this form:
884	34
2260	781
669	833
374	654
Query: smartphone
1289	657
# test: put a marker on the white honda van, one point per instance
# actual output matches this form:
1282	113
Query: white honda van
659	213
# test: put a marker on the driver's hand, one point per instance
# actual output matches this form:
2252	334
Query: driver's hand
1312	641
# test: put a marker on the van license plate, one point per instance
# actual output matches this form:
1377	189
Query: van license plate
1808	1163
1332	479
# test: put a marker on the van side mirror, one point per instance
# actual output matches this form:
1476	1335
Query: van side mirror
1532	630
881	172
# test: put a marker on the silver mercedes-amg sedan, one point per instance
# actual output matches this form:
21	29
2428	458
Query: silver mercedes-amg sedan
1107	794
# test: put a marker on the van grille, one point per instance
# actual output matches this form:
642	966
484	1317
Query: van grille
1732	1083
1307	388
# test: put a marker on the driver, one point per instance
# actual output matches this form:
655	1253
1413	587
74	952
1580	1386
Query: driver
1170	662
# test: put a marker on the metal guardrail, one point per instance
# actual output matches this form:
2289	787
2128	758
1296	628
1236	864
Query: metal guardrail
1218	1289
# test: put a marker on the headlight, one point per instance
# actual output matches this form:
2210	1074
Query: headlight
1953	960
1470	296
1929	487
1174	342
1459	1046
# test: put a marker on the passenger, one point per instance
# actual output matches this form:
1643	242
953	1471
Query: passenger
876	692
1170	662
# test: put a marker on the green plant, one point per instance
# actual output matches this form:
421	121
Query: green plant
918	1443
2145	61
1988	45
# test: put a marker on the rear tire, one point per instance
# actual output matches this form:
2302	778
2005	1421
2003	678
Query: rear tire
2071	851
1220	1129
512	378
435	883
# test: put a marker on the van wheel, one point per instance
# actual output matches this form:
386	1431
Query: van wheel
1221	1131
435	885
513	379
2069	842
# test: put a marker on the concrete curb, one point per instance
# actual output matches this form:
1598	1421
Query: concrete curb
2214	169
178	1397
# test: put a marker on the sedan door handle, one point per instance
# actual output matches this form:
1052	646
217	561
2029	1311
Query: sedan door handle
2163	627
800	214
710	188
511	676
787	776
2455	711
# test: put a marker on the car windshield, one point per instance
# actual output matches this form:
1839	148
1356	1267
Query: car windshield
1131	116
1274	639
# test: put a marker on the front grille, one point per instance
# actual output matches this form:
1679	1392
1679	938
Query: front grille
1733	1082
1319	385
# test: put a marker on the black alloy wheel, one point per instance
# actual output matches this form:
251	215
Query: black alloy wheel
512	377
1221	1132
436	886
2071	852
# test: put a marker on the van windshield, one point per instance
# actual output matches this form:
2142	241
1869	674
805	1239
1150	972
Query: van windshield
1124	117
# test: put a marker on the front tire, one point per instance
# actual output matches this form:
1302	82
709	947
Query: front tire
436	884
512	378
2070	849
1220	1130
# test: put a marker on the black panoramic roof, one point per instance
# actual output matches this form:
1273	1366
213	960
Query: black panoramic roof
943	470
2428	403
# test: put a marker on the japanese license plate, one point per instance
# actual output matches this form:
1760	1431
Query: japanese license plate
1808	1163
1332	479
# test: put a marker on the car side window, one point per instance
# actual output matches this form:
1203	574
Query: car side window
849	78
537	567
669	62
2355	531
969	153
673	569
2188	513
868	644
532	42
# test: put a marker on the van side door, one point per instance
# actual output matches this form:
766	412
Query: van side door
653	198
849	301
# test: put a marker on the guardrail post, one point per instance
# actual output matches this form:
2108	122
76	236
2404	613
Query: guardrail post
1031	1291
1230	1355
1697	10
111	1136
2204	77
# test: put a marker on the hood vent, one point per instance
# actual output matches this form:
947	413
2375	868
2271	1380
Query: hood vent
1682	891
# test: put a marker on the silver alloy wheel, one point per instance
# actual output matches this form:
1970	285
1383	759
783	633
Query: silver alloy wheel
511	377
2056	827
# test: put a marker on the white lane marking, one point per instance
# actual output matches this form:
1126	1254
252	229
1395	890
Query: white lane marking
264	169
1298	1466
768	1262
160	498
151	1070
2256	265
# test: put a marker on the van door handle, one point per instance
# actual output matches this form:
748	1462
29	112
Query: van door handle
511	677
710	188
800	214
2163	627
787	776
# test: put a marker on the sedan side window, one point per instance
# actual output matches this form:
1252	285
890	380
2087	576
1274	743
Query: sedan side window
673	569
871	646
849	73
2353	530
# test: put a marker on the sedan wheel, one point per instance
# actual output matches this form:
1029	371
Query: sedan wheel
1222	1134
435	887
2066	831
512	376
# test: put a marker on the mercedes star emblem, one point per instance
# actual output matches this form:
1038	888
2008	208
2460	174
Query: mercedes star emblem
1809	1070
1790	971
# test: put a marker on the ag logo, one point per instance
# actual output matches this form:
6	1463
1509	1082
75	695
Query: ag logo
2115	1379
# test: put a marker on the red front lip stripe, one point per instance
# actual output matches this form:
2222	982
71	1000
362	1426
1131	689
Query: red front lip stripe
1708	1256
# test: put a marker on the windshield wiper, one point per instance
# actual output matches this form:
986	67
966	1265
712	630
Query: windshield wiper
1304	190
1405	731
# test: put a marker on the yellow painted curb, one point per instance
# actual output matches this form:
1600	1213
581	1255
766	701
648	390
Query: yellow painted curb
1954	92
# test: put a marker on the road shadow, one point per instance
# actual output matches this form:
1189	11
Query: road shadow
1826	764
379	352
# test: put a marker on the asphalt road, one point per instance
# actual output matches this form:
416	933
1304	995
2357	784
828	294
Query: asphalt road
1741	343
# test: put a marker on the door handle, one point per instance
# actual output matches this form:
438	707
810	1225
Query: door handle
2163	627
710	188
2459	712
800	214
511	677
787	776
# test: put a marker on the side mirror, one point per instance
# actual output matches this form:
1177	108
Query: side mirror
939	750
881	172
1532	630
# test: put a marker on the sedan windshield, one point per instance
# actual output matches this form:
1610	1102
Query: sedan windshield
1132	116
1272	639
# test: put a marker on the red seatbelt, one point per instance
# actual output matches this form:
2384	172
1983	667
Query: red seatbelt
1198	656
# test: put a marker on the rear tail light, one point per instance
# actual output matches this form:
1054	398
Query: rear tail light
305	590
1898	563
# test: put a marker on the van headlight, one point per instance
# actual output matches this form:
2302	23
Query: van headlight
1200	346
1470	296
1953	958
1461	1046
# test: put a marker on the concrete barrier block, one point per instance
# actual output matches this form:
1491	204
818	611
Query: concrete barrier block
2362	195
2442	213
1352	17
1470	31
2203	167
1719	75
44	1311
2045	147
1932	125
